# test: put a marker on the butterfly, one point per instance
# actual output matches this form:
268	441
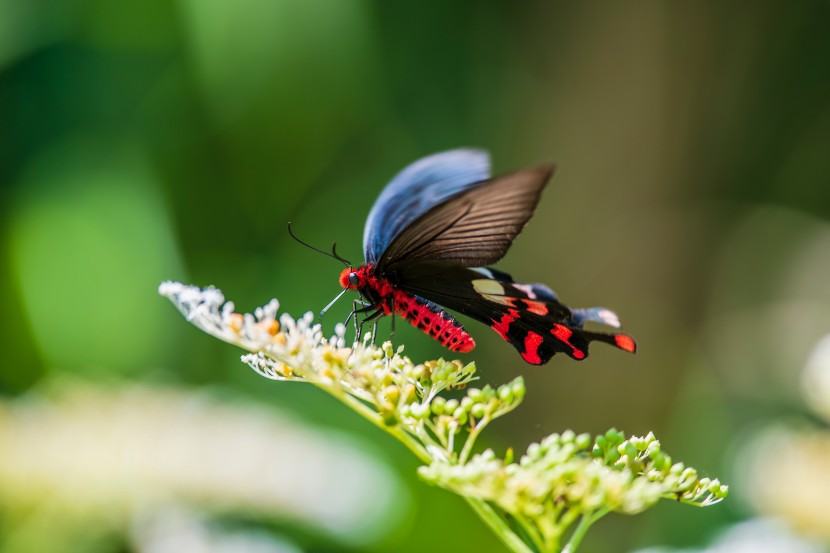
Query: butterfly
427	243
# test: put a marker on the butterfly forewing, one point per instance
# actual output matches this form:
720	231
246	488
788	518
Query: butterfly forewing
472	228
418	188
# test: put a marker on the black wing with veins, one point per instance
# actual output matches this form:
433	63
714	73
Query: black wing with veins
473	228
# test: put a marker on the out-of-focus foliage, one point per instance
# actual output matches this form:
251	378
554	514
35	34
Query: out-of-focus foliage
165	139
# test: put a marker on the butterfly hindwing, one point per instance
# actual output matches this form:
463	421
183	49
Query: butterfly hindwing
527	316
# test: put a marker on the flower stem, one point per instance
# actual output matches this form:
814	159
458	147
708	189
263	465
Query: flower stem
498	525
587	520
367	413
471	439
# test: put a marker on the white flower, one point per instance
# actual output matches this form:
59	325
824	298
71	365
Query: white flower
91	451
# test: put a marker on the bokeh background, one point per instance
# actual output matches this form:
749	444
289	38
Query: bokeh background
154	140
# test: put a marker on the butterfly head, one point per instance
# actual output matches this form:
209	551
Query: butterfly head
352	279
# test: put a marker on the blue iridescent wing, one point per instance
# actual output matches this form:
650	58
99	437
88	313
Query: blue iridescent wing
417	189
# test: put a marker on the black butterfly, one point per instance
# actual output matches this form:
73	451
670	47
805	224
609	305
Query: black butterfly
427	239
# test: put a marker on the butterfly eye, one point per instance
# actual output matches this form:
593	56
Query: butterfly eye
354	280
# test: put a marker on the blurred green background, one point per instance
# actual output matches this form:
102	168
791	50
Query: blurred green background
155	140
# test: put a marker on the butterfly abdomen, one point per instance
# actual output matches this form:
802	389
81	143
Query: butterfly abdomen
422	314
433	320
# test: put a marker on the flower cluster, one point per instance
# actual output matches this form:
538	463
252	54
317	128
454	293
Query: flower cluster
567	476
531	504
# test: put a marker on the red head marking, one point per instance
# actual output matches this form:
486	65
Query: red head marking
352	279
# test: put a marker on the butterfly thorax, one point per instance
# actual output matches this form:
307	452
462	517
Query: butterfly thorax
419	312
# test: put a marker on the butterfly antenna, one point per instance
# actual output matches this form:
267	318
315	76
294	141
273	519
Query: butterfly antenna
337	256
309	246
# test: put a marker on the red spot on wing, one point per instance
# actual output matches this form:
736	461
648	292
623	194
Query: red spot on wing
536	307
531	352
563	334
503	325
625	342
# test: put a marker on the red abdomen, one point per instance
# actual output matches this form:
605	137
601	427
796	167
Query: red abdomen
433	320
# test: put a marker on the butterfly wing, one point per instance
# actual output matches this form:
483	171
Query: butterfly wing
474	227
527	316
417	189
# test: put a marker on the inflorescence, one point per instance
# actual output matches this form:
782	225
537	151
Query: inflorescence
531	503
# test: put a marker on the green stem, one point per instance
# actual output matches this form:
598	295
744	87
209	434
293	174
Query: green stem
372	416
587	520
499	526
531	531
471	439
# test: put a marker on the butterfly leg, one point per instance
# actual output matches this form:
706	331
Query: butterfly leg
392	334
373	317
358	306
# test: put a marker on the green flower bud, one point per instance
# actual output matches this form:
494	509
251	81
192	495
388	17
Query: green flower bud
653	449
660	461
392	393
677	468
518	387
534	451
409	393
639	443
627	448
390	417
438	405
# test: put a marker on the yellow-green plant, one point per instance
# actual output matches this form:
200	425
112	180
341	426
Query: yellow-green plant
543	502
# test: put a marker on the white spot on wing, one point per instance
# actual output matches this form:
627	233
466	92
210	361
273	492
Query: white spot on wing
527	289
609	317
